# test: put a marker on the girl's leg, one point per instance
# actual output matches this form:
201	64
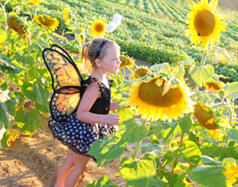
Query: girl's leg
80	163
64	170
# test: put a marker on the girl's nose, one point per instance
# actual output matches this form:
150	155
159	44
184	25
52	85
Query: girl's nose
119	61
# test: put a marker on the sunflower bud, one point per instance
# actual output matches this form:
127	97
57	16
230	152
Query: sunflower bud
205	117
15	23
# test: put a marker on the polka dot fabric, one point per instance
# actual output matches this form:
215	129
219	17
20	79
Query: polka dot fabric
78	135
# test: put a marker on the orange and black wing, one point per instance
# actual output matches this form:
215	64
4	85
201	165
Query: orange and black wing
66	82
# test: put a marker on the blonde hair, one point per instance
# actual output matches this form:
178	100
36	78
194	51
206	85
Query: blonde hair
89	53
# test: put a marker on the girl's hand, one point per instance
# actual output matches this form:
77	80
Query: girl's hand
112	119
128	106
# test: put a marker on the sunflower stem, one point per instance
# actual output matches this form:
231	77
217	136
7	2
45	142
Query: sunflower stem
136	150
176	158
225	142
230	113
5	14
131	151
204	57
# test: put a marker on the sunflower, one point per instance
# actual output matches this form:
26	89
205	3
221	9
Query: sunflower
140	71
15	23
48	22
34	2
205	116
126	62
204	25
98	28
213	86
66	16
161	98
231	172
13	136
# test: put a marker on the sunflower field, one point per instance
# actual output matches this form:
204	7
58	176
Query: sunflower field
184	135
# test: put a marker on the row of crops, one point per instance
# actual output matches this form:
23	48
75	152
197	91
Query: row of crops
210	152
151	30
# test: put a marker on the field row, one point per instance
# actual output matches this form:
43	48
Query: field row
151	30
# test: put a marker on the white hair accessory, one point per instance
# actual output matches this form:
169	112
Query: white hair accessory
117	19
111	27
115	22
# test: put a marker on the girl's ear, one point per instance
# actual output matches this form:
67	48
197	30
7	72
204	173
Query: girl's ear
98	62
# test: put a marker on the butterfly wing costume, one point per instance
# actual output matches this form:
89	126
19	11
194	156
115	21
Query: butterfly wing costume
68	87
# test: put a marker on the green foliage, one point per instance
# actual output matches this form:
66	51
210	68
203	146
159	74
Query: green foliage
229	71
201	74
103	181
177	153
151	30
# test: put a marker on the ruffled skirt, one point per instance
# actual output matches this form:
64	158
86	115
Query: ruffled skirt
77	135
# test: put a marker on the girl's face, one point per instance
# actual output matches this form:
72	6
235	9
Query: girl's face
110	63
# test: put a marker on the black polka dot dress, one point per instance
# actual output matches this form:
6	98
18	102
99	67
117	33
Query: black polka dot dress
78	135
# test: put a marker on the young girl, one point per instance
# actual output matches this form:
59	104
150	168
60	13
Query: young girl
92	119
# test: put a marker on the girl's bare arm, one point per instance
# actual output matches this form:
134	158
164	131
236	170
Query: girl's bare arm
114	105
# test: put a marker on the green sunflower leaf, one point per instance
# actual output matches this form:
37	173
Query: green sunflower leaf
104	181
111	147
36	92
201	74
209	161
211	176
230	87
28	122
190	152
186	124
7	107
160	67
137	172
107	149
232	134
154	149
155	181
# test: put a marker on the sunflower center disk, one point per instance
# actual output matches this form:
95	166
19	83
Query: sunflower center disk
99	28
204	22
214	85
152	94
141	72
45	21
16	26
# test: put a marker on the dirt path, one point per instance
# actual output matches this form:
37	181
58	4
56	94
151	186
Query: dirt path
34	161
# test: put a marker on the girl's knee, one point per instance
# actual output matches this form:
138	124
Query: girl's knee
69	159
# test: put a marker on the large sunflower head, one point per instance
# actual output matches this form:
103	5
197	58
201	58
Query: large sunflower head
98	28
48	22
15	23
204	25
140	71
163	98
